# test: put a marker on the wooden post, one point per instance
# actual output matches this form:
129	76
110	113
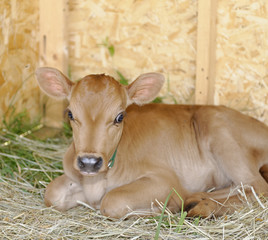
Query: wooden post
53	52
206	52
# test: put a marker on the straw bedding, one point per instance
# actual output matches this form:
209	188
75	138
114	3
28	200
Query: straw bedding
23	214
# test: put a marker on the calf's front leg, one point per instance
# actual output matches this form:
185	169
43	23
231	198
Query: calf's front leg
140	196
63	193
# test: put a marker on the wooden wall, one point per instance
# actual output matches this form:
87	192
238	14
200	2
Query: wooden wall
18	58
210	51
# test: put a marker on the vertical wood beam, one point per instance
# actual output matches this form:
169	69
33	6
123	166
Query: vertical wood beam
206	52
53	51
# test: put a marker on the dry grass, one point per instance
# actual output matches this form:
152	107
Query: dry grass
23	214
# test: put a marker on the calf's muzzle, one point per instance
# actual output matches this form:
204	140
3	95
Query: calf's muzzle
89	164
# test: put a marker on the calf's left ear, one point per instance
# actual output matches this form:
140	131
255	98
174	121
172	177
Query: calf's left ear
53	82
145	88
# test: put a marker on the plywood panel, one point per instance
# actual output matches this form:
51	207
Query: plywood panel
18	59
147	36
242	56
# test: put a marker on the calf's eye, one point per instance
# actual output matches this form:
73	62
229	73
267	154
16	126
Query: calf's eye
70	115
119	118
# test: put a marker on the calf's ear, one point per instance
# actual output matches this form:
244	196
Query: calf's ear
145	88
53	82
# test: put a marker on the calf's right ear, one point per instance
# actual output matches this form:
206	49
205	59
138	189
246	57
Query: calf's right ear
53	82
145	88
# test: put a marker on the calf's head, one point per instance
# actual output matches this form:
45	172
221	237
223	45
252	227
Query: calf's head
97	107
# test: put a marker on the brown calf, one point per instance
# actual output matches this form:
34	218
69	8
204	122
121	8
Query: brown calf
127	154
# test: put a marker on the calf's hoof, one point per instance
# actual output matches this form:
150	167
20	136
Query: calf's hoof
199	205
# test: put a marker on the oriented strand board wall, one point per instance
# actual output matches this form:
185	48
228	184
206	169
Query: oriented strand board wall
242	56
151	35
147	36
161	36
18	57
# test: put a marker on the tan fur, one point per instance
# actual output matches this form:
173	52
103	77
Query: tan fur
159	147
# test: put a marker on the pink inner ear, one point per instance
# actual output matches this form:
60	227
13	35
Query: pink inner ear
141	93
51	84
145	88
55	88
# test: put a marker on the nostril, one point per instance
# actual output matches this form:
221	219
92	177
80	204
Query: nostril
80	163
89	163
98	164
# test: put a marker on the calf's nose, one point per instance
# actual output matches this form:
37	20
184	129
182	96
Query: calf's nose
89	164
